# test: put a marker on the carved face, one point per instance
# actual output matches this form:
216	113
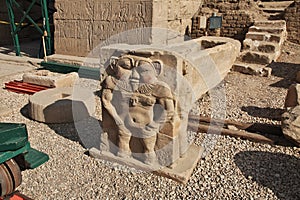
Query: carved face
123	68
146	72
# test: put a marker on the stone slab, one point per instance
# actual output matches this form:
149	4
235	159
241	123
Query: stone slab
273	30
291	125
74	60
61	105
261	46
263	36
271	23
293	96
257	57
180	171
252	69
50	79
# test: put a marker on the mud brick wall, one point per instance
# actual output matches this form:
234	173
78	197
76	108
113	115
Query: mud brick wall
292	17
82	25
236	20
27	34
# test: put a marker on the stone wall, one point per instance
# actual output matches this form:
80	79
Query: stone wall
236	18
292	17
27	34
82	25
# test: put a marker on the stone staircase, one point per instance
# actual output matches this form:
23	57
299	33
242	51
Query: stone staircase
261	47
274	10
262	44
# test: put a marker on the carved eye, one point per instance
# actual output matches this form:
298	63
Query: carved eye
134	101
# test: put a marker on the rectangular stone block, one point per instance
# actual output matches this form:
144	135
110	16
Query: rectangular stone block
96	20
78	10
103	10
72	46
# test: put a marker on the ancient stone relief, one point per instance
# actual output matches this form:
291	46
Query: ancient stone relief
139	111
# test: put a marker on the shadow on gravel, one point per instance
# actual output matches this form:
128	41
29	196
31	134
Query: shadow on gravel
287	71
268	113
24	111
277	171
86	132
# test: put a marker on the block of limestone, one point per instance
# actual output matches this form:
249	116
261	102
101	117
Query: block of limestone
146	98
50	79
61	105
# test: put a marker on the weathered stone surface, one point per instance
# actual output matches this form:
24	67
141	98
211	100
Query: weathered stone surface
291	124
261	46
293	96
179	171
61	105
50	79
74	60
273	30
147	94
292	16
252	69
236	19
263	36
271	23
257	57
220	53
96	21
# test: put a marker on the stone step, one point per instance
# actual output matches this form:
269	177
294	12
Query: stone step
254	57
273	30
252	69
264	36
261	46
271	23
273	10
275	4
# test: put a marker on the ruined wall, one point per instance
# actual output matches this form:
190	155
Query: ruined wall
26	34
236	18
175	15
292	17
83	24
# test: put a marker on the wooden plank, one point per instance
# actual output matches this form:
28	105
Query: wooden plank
249	127
240	134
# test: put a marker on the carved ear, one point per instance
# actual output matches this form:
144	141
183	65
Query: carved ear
158	65
113	61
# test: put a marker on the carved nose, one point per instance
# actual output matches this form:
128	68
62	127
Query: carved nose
135	75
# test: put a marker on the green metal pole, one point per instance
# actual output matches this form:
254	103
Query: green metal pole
24	15
28	17
14	34
46	25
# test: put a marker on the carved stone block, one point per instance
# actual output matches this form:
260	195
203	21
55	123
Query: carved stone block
146	97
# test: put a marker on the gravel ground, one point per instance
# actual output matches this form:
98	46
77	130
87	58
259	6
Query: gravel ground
235	169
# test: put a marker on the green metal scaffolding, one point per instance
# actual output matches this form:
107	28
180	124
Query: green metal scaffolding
16	27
